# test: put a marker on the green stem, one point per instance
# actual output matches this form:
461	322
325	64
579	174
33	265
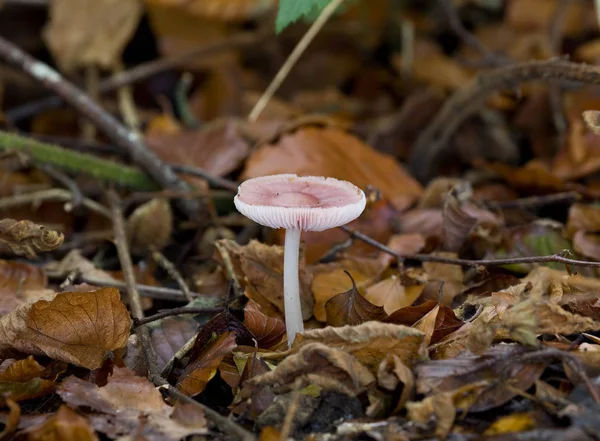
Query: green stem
74	162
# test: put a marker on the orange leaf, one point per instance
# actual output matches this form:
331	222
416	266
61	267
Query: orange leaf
65	425
267	330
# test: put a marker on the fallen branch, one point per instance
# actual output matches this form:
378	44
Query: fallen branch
175	311
468	100
110	126
554	258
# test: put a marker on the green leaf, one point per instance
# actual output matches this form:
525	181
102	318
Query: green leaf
292	10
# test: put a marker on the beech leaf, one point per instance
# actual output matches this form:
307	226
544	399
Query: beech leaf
24	238
351	308
268	330
81	328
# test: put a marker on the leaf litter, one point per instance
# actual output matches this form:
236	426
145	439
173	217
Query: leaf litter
136	302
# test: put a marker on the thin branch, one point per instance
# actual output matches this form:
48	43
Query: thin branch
135	303
304	42
226	425
468	100
112	128
141	72
215	181
68	183
173	312
554	258
168	266
536	201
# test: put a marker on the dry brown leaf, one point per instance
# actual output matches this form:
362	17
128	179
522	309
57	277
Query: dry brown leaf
260	271
391	374
84	33
429	222
583	218
219	148
65	425
332	152
226	10
440	407
320	360
150	226
124	400
451	276
200	370
330	280
458	224
12	421
268	330
351	308
75	263
21	380
394	293
24	238
369	342
81	328
19	282
403	244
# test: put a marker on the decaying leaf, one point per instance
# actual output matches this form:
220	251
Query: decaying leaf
81	328
395	292
124	400
64	425
440	407
24	238
85	33
260	270
458	224
320	360
268	330
21	380
150	226
369	342
203	367
20	282
391	374
351	308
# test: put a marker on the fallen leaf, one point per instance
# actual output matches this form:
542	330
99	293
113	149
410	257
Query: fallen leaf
439	407
587	245
351	308
126	398
332	152
81	328
517	422
65	425
438	323
12	421
443	278
203	367
91	33
392	374
268	330
24	238
331	279
21	380
260	271
319	360
458	224
404	245
583	218
394	293
19	282
150	226
75	262
369	342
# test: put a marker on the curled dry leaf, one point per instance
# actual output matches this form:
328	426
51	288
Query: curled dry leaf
583	218
21	380
331	279
125	400
391	374
369	342
438	323
351	308
85	33
458	224
592	120
440	407
66	425
24	238
150	226
333	152
203	367
320	360
260	270
268	330
81	328
75	262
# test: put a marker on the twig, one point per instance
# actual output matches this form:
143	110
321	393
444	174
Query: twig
127	105
336	249
161	260
70	184
215	181
237	288
141	72
555	258
312	32
53	194
135	303
288	421
174	311
111	127
74	162
467	101
226	425
536	201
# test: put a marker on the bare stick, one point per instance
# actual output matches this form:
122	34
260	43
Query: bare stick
172	312
168	266
312	32
469	99
536	201
556	258
135	303
53	194
112	128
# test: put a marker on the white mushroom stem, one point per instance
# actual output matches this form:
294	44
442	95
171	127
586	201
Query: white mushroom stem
291	285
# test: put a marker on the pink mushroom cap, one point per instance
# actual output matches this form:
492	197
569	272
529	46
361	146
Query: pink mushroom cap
307	203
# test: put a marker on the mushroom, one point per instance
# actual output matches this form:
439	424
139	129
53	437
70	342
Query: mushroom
298	203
